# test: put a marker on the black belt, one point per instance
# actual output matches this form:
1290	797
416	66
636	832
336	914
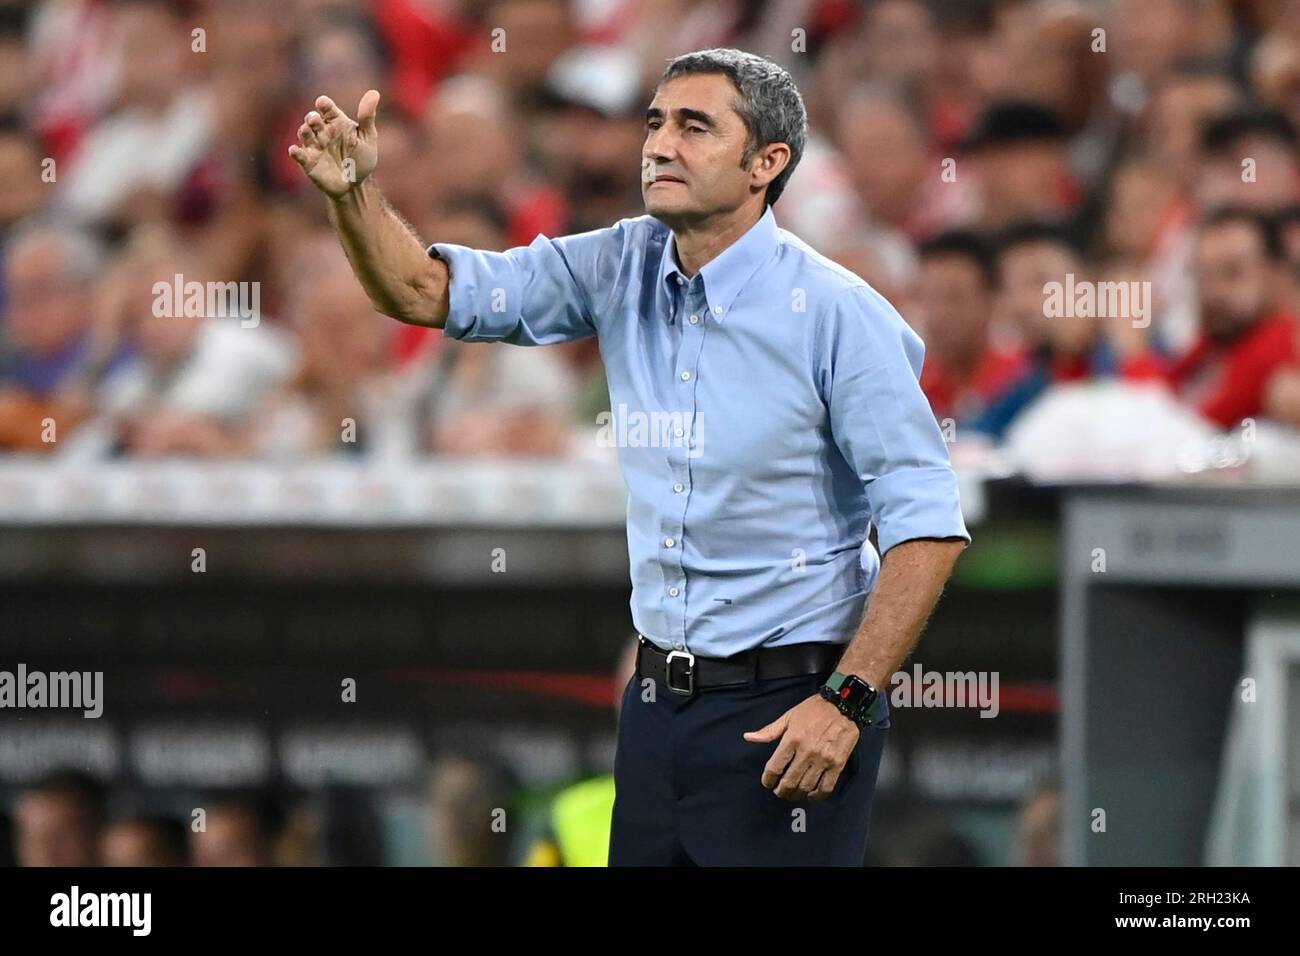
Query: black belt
684	673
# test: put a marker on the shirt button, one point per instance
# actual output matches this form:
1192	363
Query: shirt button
678	433
679	646
669	542
679	487
681	281
695	320
673	592
686	376
717	310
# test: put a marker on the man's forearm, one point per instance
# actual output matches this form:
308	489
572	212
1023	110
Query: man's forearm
912	577
393	267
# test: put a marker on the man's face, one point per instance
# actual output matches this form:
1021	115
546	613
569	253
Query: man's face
956	304
1020	180
133	844
1026	268
1221	180
694	143
1233	278
47	308
886	158
53	829
230	839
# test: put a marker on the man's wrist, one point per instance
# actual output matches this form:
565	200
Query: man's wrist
852	695
359	195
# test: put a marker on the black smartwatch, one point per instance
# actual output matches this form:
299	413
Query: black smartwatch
852	695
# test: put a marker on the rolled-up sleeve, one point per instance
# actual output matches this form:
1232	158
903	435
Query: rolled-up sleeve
539	294
869	366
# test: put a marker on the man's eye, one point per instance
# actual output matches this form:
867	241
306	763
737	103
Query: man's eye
695	129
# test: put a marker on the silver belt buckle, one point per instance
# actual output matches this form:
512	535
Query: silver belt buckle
689	671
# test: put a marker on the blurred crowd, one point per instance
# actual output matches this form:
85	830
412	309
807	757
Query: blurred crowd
68	818
963	156
473	809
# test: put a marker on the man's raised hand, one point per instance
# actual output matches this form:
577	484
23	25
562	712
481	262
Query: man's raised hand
336	152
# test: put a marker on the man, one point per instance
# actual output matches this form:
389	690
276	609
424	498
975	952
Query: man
795	424
466	793
58	821
1246	337
240	829
1022	167
46	339
1061	348
144	841
1269	182
192	383
967	373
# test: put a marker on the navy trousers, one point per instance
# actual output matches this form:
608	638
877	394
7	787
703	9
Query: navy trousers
689	790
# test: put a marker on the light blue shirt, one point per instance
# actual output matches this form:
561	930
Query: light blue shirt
767	412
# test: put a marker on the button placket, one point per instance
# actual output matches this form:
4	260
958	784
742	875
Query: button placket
672	528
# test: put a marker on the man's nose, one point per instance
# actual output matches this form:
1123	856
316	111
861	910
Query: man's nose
659	146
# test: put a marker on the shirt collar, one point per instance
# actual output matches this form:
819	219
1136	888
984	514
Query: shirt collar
726	274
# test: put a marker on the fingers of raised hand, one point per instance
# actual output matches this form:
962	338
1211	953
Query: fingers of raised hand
327	109
307	137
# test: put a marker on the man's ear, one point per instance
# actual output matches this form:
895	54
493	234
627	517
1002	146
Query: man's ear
767	163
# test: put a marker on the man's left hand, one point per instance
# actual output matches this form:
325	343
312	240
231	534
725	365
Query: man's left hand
816	741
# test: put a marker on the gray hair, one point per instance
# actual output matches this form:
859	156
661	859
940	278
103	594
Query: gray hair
769	104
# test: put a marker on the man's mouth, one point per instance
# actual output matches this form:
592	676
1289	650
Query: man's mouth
667	179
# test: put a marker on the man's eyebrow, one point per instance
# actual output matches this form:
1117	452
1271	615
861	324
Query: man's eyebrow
683	113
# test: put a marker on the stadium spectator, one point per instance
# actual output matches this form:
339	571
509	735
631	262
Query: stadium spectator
194	379
1038	829
596	123
1147	230
338	399
1181	106
887	153
474	152
965	372
46	338
1061	348
238	830
1246	337
1251	159
469	803
485	401
535	33
127	167
58	821
144	841
1017	151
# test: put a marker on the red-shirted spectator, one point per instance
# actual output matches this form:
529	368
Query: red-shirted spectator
1246	336
964	372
